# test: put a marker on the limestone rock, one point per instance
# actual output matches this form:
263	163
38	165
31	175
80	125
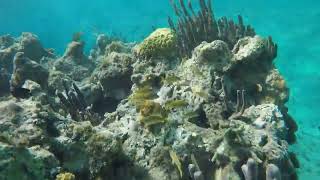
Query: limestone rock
26	69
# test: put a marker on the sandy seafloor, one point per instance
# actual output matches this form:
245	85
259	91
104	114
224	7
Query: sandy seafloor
293	24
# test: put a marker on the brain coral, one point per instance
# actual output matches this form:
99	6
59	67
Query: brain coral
162	42
65	176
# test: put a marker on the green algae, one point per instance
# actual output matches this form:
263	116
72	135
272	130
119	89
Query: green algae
175	104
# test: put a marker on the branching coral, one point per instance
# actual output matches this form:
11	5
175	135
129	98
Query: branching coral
193	27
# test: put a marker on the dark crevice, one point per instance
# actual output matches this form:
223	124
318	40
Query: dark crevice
201	120
103	105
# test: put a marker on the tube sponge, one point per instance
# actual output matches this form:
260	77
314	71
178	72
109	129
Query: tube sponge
250	170
162	42
273	172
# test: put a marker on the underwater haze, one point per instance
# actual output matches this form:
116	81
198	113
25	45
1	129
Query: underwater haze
294	26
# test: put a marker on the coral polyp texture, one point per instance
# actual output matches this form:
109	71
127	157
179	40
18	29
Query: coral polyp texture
162	42
200	100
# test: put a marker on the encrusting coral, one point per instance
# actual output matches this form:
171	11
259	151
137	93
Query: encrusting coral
197	101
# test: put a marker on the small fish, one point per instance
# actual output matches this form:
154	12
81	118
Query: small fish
20	92
176	161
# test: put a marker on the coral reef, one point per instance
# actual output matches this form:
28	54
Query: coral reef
27	43
145	112
26	69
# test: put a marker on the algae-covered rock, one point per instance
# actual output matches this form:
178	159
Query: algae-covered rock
117	46
32	47
26	69
74	63
6	41
249	48
216	53
26	163
4	82
114	75
74	52
162	42
27	43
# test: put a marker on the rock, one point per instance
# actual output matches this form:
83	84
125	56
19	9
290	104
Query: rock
249	48
216	53
31	46
273	172
6	58
27	43
4	82
6	41
35	88
250	170
26	163
55	81
26	69
117	46
114	75
74	52
74	63
88	148
276	89
101	43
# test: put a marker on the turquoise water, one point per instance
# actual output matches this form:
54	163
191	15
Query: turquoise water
293	24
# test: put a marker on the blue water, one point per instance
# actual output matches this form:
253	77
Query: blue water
293	24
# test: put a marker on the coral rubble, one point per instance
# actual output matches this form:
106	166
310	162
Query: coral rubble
142	111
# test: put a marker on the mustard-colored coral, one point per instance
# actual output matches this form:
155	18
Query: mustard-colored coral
65	176
140	95
176	161
152	113
170	79
162	42
174	104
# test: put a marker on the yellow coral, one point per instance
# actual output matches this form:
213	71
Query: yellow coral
170	79
176	161
162	42
140	95
152	113
174	104
65	176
